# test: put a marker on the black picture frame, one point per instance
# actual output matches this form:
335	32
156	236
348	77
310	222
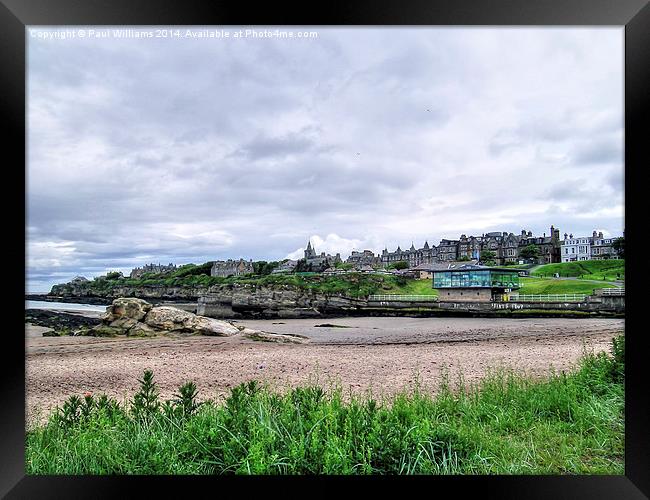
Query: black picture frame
633	15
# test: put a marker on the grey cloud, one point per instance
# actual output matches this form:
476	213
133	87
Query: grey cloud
196	150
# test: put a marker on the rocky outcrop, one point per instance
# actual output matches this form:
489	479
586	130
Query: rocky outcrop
60	322
136	317
247	301
112	290
232	300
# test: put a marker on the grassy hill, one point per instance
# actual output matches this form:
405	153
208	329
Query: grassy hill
549	285
605	270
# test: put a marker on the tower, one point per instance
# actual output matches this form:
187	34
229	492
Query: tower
309	251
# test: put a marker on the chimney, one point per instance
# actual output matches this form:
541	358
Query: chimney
571	236
566	236
593	234
523	232
600	234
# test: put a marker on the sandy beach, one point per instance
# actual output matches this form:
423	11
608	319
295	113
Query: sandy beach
383	355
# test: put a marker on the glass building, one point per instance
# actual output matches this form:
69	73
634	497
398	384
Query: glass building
494	278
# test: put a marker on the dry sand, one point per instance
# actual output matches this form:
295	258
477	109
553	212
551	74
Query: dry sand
384	355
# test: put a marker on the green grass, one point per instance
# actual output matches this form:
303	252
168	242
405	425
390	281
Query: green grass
605	270
549	285
508	424
413	287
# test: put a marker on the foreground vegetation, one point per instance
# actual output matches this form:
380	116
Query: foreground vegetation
508	424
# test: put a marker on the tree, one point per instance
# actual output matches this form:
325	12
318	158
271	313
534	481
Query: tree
402	264
488	257
619	245
262	268
529	252
463	258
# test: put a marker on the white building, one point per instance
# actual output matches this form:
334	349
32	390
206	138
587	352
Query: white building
574	249
594	247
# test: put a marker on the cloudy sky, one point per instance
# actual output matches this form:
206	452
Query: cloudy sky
195	149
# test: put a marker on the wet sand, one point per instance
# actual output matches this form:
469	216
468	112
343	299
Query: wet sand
384	355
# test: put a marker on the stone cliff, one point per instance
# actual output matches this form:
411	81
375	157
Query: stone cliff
227	300
281	302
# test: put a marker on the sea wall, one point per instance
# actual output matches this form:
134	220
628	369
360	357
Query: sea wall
264	303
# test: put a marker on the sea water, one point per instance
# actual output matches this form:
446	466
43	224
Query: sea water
62	306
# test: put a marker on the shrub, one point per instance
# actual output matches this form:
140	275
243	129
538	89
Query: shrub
145	401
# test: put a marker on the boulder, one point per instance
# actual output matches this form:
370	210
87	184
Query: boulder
127	307
172	319
283	338
169	319
209	326
136	317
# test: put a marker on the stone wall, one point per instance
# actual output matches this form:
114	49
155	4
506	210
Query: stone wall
465	295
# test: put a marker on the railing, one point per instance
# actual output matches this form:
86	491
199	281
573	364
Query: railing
549	297
404	298
613	292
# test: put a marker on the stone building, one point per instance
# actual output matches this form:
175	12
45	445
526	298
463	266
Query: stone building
288	266
469	247
365	258
152	268
548	246
225	268
413	256
320	262
492	242
448	250
601	248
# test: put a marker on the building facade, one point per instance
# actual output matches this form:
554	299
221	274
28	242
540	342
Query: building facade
225	268
594	247
414	256
152	268
472	283
365	258
316	262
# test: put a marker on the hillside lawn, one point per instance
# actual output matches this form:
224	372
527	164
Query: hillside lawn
549	285
604	270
